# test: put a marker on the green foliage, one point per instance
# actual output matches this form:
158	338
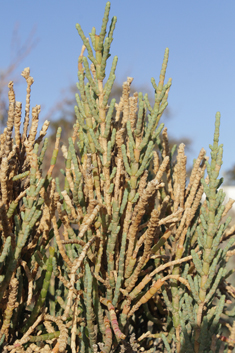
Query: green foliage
121	255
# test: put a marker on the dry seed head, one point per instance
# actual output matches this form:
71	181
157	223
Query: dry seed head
11	93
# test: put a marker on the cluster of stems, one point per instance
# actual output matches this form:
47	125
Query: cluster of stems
120	253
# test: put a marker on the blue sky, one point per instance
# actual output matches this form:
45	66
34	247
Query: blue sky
200	36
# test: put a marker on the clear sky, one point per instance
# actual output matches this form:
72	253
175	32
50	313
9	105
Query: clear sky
200	35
